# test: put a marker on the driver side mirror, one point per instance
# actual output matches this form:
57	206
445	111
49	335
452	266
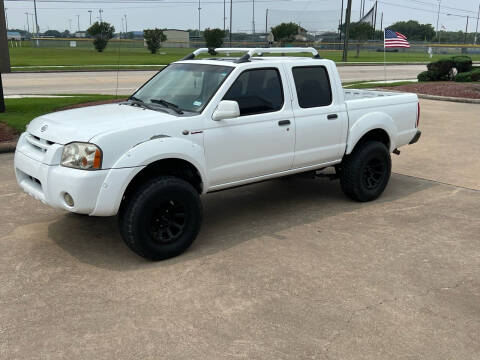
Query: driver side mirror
226	109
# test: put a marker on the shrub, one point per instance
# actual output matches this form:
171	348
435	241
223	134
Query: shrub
462	63
470	76
443	67
154	39
430	75
102	33
214	39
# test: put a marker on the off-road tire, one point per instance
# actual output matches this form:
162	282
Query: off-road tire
357	178
145	217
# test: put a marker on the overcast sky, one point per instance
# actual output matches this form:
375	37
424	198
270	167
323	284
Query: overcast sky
183	14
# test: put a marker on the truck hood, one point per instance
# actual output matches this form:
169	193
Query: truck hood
83	124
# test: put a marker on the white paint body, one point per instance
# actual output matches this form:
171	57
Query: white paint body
226	153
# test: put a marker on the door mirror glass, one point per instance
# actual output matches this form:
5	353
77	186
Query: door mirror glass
226	109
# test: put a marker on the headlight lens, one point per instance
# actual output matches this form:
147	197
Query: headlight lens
82	156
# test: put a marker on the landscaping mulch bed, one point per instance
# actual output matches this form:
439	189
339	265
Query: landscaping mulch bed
7	134
442	88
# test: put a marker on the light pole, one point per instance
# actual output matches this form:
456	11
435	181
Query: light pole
253	17
266	22
90	12
466	31
199	10
100	11
341	22
78	23
6	18
476	28
28	23
224	17
231	30
438	17
126	25
70	25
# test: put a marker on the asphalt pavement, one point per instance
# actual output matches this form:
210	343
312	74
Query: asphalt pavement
107	82
285	269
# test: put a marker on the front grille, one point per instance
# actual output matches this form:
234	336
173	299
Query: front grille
38	143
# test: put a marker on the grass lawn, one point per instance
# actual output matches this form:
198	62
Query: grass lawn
38	57
21	111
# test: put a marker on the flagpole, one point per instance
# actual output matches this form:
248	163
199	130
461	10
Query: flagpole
384	58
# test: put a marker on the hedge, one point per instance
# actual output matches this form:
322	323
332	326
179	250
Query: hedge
470	76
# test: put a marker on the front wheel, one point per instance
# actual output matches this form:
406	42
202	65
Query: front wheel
162	218
365	173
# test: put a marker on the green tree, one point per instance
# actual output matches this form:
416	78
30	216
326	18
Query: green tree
154	38
361	32
414	31
101	32
214	39
53	33
285	32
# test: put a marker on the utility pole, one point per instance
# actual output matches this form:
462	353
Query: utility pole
266	22
476	29
90	12
78	23
466	31
231	30
70	25
6	18
100	11
347	30
126	25
28	23
438	17
341	23
199	10
37	28
253	17
4	54
224	18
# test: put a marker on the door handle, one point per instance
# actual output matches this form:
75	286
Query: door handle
284	122
332	117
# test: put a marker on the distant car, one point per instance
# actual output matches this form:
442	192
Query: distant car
205	125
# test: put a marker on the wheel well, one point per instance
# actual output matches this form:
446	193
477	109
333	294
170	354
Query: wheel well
375	135
174	167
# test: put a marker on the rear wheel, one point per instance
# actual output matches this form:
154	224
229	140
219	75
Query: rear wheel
365	173
162	218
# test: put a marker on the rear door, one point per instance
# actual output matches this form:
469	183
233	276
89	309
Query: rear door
261	140
320	121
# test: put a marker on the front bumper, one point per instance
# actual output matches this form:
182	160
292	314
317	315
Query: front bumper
96	193
416	137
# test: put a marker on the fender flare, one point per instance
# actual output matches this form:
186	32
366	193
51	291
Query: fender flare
369	122
136	159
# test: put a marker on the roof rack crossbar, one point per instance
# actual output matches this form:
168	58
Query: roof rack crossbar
252	51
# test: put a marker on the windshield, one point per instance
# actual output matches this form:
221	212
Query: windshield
189	87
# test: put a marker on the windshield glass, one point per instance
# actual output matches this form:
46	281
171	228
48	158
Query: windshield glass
187	86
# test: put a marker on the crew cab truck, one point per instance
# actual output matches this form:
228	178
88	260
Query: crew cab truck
209	124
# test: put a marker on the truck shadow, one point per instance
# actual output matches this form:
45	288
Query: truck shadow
230	218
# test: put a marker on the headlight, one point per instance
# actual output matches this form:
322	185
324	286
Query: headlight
82	156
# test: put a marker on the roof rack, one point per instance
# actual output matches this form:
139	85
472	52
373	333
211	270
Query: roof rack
252	51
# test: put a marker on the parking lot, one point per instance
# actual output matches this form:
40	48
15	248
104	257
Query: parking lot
285	269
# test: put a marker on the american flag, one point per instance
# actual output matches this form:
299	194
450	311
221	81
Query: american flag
395	39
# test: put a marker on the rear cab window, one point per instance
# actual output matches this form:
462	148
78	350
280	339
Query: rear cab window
257	91
313	86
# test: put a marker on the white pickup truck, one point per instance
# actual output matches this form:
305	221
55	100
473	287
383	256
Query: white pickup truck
203	125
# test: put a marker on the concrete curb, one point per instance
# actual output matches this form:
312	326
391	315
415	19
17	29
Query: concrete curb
449	98
7	147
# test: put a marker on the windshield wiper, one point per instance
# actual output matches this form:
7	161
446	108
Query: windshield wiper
167	104
132	100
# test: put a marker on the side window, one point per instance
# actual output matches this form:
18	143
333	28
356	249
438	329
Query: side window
257	91
313	86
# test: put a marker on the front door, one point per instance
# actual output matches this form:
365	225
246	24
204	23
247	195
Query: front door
259	142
